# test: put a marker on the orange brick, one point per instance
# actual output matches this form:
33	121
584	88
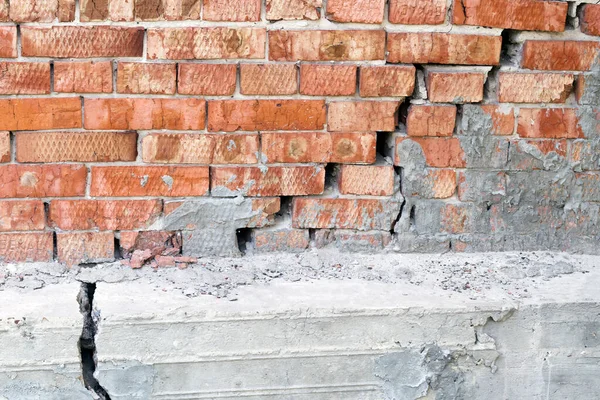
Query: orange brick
4	147
418	12
76	146
293	9
268	79
206	43
518	87
442	183
105	215
35	113
503	119
42	180
268	181
288	240
83	77
40	10
353	147
81	41
524	15
93	10
80	248
425	120
118	181
320	45
24	78
455	87
365	11
590	19
327	80
268	115
548	146
207	79
443	48
439	152
23	215
369	180
231	10
8	42
382	81
550	123
201	148
26	247
362	116
146	78
145	113
560	55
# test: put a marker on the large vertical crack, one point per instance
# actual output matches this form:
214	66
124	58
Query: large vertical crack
87	341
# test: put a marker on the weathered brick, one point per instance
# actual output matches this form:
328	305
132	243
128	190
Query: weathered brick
418	12
120	181
590	183
481	186
443	48
201	148
66	10
365	11
76	146
231	10
4	147
269	181
560	55
144	113
4	11
285	240
81	41
206	43
439	152
268	115
518	87
36	113
586	154
171	10
24	78
551	123
503	119
146	78
590	19
455	218
455	87
26	247
8	42
85	247
91	10
525	15
105	215
268	79
22	215
42	180
121	10
40	10
369	180
293	9
362	116
424	120
431	184
207	79
83	77
359	148
382	81
346	45
327	80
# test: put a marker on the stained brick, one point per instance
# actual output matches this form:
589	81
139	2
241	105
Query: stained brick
171	10
365	11
85	247
207	79
432	184
418	12
26	247
560	55
146	78
534	87
24	78
4	147
91	10
8	41
293	9
35	113
83	77
41	10
231	10
370	180
552	123
327	80
503	119
362	116
42	180
424	120
590	19
268	79
287	240
455	87
439	152
382	81
22	215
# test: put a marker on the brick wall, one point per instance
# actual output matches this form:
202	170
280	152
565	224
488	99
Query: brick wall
159	130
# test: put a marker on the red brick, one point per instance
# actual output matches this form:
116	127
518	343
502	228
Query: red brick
268	79
207	79
455	87
42	180
382	81
362	116
418	12
320	45
439	152
201	148
26	247
443	48
40	10
369	180
560	55
91	10
351	148
286	240
4	11
293	9
426	120
25	215
267	181
83	77
146	78
121	10
118	181
268	115
206	43
105	215
327	80
436	184
24	78
365	11
66	10
231	10
81	41
590	19
35	113
518	87
548	146
524	15
503	119
170	10
8	42
550	123
76	146
4	147
85	247
145	113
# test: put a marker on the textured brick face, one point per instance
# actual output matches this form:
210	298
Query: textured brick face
418	12
455	87
293	9
42	180
268	79
83	77
430	120
367	180
365	11
207	79
8	41
78	248
143	78
362	116
232	10
26	215
40	113
387	81
24	78
327	80
534	87
559	55
26	247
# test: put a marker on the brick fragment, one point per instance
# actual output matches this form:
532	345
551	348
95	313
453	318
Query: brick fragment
365	11
42	180
418	12
387	81
4	147
550	123
268	79
40	10
22	215
146	78
207	79
231	10
170	10
534	87
362	116
293	9
439	152
284	240
455	87
24	78
327	80
560	55
424	120
85	247
368	180
590	19
40	113
83	77
26	247
8	41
